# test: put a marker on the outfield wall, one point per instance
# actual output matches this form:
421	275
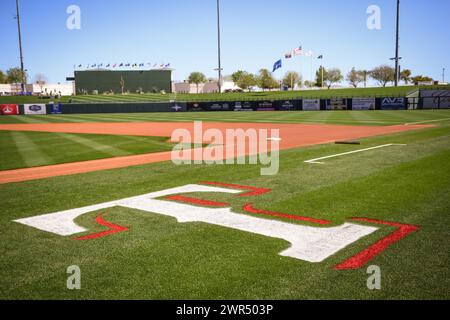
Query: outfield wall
437	99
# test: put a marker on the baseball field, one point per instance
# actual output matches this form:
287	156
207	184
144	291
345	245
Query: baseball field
101	193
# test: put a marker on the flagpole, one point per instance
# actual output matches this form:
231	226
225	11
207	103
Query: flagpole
321	68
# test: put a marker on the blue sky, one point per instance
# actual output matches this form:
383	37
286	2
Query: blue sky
255	33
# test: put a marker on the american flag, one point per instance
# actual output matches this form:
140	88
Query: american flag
298	51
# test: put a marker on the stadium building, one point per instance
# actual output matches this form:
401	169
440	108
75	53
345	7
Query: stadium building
107	81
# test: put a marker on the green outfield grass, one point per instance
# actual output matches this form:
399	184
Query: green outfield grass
33	149
401	91
377	118
159	258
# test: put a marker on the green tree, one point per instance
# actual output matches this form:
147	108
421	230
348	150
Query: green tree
319	76
246	81
333	76
3	77
405	75
365	76
355	77
291	78
15	75
197	78
383	74
417	79
309	84
122	85
266	80
237	75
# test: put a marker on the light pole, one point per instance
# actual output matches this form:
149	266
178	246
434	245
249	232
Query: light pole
443	75
397	41
20	48
219	69
397	69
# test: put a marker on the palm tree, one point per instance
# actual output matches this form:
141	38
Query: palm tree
197	78
405	75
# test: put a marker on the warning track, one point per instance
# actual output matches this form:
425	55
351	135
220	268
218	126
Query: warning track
292	136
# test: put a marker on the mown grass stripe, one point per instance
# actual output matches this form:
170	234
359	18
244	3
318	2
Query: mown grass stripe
94	145
30	152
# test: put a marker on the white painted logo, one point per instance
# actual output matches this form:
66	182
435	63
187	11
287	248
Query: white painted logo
312	244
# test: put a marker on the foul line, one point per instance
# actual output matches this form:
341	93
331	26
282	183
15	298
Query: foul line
316	161
427	121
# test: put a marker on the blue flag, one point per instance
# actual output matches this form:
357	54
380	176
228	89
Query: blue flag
277	65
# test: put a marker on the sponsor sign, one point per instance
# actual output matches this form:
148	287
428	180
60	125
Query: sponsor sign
363	104
33	109
55	108
9	109
434	99
176	107
393	104
337	104
243	106
196	107
266	106
287	105
311	104
219	107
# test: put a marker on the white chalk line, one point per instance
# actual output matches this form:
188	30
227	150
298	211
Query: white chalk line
426	121
316	161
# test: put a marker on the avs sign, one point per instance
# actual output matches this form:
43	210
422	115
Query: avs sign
315	242
393	104
35	109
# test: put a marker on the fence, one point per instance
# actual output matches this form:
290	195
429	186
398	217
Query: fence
434	100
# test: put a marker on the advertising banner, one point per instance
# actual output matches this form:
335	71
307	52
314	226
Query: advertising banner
311	104
434	99
393	104
243	106
177	107
209	106
287	105
363	104
55	108
265	106
9	109
34	109
219	106
337	104
194	106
